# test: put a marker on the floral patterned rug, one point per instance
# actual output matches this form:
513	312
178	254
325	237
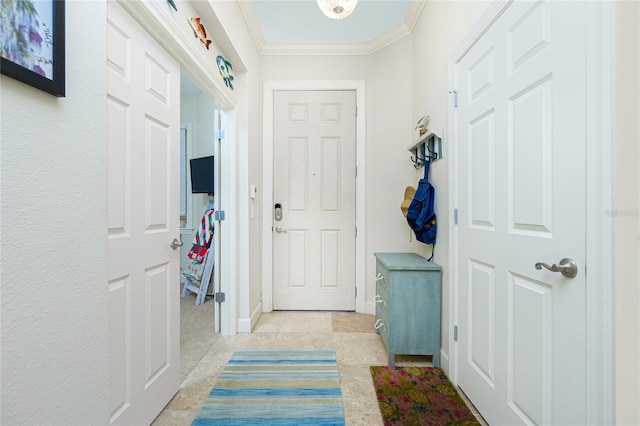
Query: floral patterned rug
419	396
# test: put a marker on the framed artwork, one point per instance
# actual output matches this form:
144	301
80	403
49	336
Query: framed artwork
32	43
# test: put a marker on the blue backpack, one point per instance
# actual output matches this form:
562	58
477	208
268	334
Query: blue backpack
421	215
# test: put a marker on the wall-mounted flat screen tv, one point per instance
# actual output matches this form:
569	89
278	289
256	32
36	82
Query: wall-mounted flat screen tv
202	175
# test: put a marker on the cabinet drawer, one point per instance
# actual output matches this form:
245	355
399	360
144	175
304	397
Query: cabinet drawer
382	327
382	297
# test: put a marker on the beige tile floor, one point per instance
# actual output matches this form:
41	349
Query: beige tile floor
351	336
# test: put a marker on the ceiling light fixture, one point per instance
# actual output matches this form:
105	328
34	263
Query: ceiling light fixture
337	9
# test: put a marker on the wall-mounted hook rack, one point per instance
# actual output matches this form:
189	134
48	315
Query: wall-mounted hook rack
428	147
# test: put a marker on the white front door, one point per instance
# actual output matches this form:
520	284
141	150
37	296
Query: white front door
314	187
520	174
143	103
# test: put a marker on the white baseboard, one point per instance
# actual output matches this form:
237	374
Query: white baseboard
370	308
444	361
245	325
255	315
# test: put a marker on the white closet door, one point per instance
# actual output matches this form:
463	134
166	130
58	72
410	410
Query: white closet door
521	165
143	103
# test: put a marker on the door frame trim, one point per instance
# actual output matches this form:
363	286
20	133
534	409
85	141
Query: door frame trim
600	140
268	89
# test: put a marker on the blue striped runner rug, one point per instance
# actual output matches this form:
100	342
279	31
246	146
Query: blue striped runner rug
271	387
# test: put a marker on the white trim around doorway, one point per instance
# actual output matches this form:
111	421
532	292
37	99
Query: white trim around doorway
269	87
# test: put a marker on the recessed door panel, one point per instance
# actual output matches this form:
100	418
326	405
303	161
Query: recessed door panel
157	141
298	247
298	182
330	172
481	171
530	348
119	164
298	113
330	112
330	258
482	319
530	35
530	161
158	80
481	75
158	293
118	51
119	345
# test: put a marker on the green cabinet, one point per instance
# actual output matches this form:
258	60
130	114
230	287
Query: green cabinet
408	298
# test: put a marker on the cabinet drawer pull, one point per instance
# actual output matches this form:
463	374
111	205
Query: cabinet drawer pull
379	277
378	299
378	323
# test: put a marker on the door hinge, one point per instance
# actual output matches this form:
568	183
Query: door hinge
218	215
455	97
356	172
455	216
455	333
356	232
356	292
219	297
219	134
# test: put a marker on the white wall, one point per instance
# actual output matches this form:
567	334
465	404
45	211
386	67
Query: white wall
390	130
627	218
440	29
53	238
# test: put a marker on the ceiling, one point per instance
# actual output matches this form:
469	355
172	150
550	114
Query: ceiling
298	26
301	21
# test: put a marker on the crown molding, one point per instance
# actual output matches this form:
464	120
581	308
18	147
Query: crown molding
311	49
394	34
414	12
330	49
251	19
337	49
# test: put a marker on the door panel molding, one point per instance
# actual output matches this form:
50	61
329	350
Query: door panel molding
269	87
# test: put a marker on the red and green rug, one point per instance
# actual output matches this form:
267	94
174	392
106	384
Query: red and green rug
419	396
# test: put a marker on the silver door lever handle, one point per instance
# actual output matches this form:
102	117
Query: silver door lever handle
176	243
567	267
279	229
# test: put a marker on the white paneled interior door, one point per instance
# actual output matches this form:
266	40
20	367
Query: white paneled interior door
143	103
314	185
520	174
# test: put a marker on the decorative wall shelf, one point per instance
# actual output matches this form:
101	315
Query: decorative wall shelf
427	147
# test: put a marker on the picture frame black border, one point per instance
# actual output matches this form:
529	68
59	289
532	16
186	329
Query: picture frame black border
57	85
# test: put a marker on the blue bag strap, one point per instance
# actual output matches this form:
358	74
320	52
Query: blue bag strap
427	163
427	166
